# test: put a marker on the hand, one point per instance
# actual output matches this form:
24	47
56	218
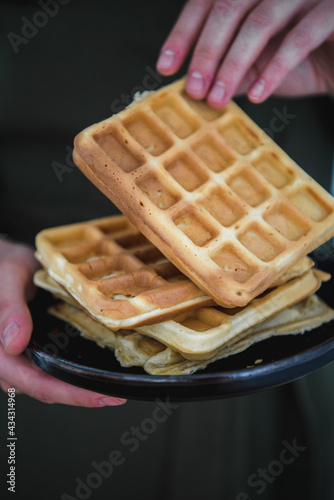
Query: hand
17	266
255	46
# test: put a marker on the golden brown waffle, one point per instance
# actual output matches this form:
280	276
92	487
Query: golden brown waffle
210	189
135	349
118	276
299	318
115	273
44	280
200	334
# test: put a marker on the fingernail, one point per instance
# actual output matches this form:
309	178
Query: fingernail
218	91
9	333
257	90
111	401
195	83
166	59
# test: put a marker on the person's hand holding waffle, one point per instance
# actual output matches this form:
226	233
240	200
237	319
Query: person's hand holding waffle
17	267
254	47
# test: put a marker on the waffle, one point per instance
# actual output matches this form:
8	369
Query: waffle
135	349
210	189
115	274
118	276
200	334
299	318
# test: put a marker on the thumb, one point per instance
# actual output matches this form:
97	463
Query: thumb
17	266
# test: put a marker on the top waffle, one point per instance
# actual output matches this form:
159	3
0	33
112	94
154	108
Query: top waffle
210	189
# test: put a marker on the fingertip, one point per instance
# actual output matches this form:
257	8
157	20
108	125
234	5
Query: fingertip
256	101
196	85
167	62
86	398
16	333
256	94
217	97
215	105
111	401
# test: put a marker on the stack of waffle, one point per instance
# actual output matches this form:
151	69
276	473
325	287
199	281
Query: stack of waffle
210	255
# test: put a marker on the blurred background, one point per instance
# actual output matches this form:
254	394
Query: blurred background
63	69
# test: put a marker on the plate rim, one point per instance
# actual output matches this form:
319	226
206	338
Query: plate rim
308	355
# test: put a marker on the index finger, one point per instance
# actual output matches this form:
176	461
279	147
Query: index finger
183	35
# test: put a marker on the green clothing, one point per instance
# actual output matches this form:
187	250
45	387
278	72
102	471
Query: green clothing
71	73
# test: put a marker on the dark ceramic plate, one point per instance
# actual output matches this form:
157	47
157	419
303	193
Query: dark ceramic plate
60	351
